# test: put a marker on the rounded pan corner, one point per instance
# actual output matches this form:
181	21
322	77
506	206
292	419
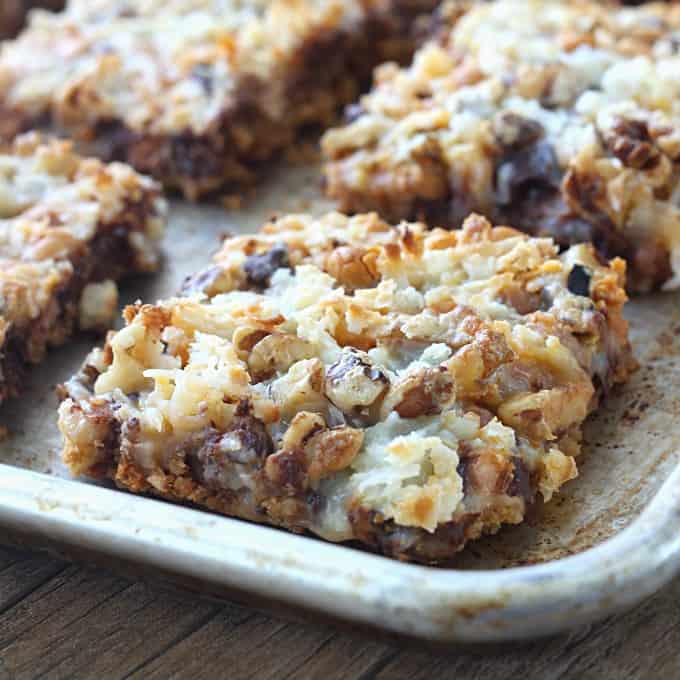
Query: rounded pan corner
443	605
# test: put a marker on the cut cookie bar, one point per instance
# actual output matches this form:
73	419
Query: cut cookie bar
13	13
198	93
404	388
560	118
69	227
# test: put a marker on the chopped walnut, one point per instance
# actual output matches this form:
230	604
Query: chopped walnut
300	389
330	451
425	392
630	141
353	382
276	353
301	428
489	472
353	267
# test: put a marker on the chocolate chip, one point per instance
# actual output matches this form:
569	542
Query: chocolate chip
521	481
288	470
243	408
462	470
254	438
259	268
315	502
196	156
516	132
217	457
522	171
578	281
569	229
202	282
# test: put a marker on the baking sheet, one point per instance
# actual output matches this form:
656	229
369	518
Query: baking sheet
632	447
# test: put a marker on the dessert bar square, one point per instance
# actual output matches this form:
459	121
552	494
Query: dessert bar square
560	118
69	227
405	388
198	93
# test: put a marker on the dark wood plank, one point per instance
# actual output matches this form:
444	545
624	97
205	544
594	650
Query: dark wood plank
85	623
21	573
259	647
346	657
66	621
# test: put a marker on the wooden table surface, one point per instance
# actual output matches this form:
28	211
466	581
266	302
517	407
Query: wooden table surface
59	620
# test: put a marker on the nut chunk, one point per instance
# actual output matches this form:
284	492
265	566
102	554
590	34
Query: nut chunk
69	227
200	94
560	118
420	393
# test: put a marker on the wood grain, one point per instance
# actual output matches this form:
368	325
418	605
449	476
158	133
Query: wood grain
64	621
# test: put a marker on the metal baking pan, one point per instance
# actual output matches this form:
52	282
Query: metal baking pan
610	539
